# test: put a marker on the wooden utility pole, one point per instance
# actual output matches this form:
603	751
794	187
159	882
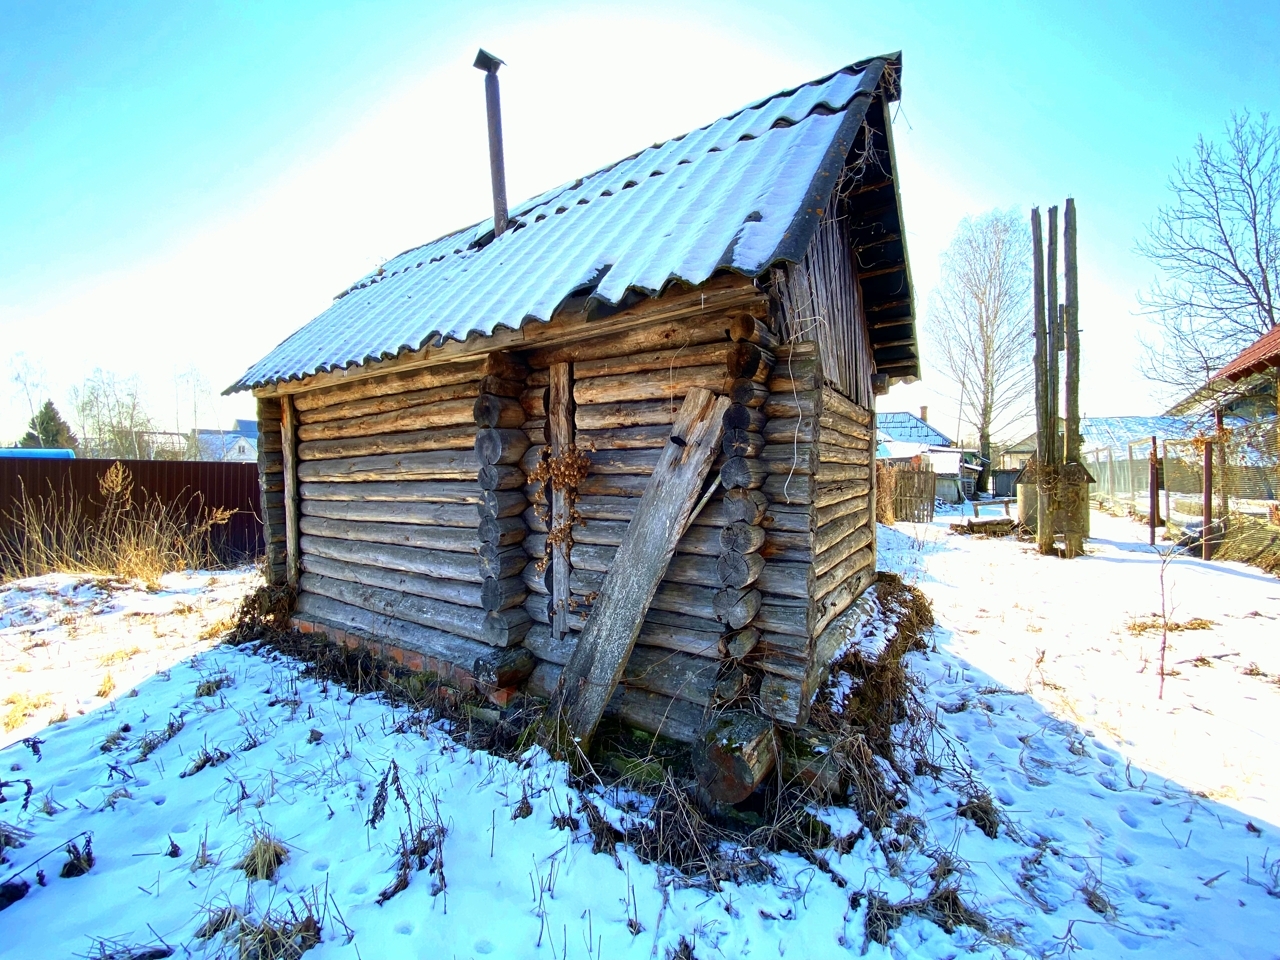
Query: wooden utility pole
1044	447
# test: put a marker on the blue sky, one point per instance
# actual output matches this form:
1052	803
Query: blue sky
182	185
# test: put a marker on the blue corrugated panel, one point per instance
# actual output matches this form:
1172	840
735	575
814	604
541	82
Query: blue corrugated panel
739	194
899	425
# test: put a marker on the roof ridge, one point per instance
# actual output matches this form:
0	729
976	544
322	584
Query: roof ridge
529	204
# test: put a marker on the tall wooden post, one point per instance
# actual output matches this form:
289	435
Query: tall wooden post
1044	449
1153	491
1072	323
560	435
1077	497
1054	336
1220	471
1206	548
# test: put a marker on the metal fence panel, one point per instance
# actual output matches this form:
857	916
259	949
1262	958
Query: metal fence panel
196	484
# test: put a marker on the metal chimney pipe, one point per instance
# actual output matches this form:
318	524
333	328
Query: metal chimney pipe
489	64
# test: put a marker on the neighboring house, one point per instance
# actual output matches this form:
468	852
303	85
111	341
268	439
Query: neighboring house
908	428
906	438
240	443
408	424
1247	389
1254	378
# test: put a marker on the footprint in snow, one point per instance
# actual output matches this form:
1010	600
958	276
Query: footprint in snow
1127	817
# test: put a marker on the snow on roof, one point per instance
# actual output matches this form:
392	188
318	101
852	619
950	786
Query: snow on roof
1100	432
900	425
742	193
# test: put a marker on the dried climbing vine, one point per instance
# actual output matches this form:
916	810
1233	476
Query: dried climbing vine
564	473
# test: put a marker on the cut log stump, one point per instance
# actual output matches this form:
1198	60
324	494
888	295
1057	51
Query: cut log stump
735	754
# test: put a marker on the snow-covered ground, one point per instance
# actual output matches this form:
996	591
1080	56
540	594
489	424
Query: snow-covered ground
69	643
1105	847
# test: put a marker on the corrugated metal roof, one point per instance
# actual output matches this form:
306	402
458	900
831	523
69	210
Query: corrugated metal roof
741	194
1260	355
900	425
1118	432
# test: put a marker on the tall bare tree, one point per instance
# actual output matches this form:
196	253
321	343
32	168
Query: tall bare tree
978	322
1218	248
112	418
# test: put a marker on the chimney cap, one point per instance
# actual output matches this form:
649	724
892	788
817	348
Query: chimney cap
487	62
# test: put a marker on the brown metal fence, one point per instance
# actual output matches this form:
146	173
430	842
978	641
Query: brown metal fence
914	493
198	485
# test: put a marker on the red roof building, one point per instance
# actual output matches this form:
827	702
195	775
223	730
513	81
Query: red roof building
1262	354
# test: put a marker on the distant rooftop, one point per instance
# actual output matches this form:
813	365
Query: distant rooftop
903	426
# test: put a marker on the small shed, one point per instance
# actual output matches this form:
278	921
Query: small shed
408	436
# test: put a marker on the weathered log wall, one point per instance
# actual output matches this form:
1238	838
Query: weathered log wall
271	483
820	529
819	299
417	526
626	394
411	500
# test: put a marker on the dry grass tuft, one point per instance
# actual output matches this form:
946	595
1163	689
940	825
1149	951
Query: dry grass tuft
263	614
11	837
205	758
981	809
219	919
118	656
211	685
156	739
79	860
1155	624
114	737
22	707
107	686
942	905
278	935
886	484
138	539
263	857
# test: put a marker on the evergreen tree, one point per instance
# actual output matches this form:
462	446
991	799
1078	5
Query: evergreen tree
48	429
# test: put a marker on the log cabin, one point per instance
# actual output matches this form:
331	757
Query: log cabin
452	452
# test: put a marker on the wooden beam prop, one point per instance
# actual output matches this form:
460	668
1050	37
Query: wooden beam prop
660	519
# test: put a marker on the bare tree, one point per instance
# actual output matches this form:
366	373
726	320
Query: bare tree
111	417
1218	247
29	380
978	321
